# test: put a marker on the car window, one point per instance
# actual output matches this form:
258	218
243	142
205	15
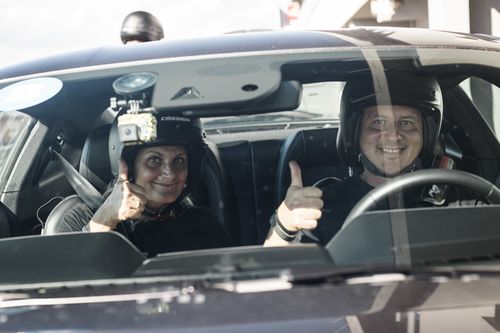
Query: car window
486	97
12	128
319	105
321	99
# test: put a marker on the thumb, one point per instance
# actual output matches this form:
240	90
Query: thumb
295	174
122	170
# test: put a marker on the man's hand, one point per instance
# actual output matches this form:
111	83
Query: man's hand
126	201
301	208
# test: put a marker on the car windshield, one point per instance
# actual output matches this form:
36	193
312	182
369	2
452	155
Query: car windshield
330	114
264	164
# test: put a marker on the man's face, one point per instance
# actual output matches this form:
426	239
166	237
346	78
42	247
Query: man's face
391	136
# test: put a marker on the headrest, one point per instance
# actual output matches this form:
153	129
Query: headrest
312	149
94	162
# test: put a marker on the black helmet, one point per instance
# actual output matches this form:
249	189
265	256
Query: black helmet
141	26
420	92
171	130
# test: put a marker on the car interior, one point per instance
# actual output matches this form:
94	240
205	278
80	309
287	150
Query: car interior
245	172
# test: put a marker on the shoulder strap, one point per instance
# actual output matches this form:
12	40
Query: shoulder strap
87	192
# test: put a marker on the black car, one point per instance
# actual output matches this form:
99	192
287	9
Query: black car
264	99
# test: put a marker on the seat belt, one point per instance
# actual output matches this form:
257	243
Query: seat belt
85	190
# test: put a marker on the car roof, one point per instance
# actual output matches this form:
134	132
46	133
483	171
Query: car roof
251	42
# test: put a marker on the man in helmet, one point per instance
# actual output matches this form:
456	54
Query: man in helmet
387	128
148	199
139	27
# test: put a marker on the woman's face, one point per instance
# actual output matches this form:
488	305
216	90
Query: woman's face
162	172
391	137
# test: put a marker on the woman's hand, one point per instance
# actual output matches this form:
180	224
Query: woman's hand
126	201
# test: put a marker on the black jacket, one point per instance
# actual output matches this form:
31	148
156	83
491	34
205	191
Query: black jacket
182	228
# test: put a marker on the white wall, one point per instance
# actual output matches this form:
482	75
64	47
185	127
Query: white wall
328	14
452	15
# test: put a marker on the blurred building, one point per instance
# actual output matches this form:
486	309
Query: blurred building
475	16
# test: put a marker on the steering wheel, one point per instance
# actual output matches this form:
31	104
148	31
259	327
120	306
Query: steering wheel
476	184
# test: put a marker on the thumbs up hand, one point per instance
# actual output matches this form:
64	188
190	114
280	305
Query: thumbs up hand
129	198
301	208
126	201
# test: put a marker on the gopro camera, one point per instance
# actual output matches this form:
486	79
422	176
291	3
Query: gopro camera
137	128
138	125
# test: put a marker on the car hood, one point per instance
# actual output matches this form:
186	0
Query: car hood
292	289
377	303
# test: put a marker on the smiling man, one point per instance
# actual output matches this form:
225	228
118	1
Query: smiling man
388	126
391	140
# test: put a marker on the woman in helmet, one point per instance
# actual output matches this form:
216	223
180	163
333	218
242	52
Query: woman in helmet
386	128
148	200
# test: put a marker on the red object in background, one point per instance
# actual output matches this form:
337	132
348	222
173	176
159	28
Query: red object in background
293	11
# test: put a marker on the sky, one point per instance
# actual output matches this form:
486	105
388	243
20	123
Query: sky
34	28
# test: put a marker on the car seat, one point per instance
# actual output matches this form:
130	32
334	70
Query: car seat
315	150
